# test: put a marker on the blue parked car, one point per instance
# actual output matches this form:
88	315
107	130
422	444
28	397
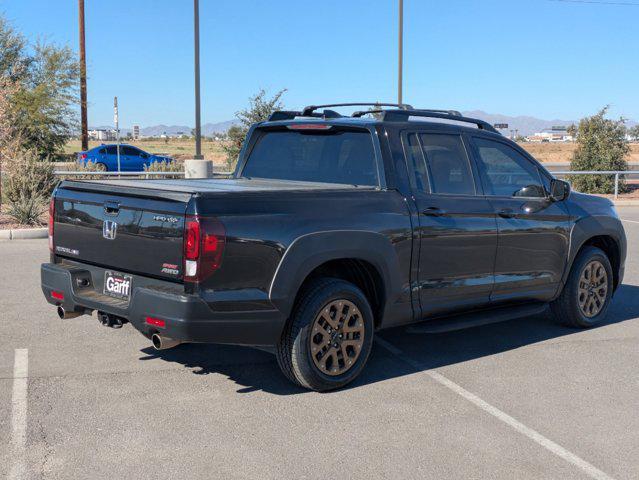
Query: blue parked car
132	159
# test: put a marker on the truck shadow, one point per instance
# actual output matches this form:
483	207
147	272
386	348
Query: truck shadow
257	370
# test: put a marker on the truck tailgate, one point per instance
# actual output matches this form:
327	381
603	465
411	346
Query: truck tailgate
130	233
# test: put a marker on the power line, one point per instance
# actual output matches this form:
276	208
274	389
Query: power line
599	2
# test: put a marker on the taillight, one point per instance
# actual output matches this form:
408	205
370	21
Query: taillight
83	156
204	241
51	219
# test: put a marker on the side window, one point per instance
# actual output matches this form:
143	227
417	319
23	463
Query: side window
416	162
102	151
112	150
130	151
448	165
505	172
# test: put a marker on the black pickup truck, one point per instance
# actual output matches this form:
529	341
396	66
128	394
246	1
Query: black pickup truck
331	228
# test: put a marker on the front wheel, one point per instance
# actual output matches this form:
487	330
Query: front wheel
586	296
329	336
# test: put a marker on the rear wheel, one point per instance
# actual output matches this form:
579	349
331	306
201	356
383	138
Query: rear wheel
100	167
328	338
585	298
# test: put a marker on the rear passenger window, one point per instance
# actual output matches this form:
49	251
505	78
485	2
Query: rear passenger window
112	150
448	165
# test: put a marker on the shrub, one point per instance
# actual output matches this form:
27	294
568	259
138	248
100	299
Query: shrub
26	175
601	145
28	209
174	166
27	185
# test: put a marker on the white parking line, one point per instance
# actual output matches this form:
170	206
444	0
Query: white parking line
19	414
535	436
630	221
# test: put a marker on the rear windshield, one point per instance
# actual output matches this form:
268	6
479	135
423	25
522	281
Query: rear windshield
336	156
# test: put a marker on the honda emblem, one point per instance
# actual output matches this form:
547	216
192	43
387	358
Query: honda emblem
109	229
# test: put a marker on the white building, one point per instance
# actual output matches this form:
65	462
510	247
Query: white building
135	133
102	134
541	137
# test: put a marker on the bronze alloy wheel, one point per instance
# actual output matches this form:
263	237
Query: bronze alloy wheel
337	337
593	287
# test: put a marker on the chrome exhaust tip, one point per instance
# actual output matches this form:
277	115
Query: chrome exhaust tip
64	314
161	342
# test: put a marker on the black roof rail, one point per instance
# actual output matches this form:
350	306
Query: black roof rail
403	115
308	111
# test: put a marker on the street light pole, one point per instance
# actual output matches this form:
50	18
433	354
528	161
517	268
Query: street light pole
198	127
83	79
401	52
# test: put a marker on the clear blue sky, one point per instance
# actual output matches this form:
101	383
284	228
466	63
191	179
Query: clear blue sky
548	59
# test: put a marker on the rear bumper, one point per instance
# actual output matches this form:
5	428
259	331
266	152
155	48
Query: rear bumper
187	317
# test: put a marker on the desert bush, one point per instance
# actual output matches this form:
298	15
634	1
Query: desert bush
28	209
174	166
25	175
260	108
601	145
27	185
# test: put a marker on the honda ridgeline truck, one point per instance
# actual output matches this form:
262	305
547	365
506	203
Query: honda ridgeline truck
331	228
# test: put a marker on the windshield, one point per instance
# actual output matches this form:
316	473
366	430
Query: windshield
335	156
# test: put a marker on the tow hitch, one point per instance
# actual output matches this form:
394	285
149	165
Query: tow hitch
109	320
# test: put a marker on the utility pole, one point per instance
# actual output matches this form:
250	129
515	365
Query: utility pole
83	79
401	52
198	127
116	120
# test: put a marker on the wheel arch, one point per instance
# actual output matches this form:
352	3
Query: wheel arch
366	259
605	233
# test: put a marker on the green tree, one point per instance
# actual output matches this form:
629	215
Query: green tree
634	133
601	145
260	108
42	109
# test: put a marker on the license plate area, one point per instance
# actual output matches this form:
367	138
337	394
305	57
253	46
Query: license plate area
118	285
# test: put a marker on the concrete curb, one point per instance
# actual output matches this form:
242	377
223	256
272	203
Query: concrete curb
24	233
626	203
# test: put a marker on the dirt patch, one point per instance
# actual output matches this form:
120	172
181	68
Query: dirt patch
563	152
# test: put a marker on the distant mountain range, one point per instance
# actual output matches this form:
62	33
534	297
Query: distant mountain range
525	125
208	129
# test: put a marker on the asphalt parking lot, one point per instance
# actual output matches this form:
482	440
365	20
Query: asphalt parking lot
519	399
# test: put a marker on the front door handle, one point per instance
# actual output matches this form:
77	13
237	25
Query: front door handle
507	213
433	212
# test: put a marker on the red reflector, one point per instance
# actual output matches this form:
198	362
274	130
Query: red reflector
57	295
156	322
309	126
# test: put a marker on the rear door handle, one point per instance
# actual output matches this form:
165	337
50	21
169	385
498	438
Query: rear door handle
433	212
507	213
111	208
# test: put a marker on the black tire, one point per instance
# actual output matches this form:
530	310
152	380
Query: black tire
566	308
101	167
294	354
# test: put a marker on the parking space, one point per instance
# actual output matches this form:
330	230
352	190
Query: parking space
102	404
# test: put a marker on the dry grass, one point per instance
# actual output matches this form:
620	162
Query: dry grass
562	152
178	148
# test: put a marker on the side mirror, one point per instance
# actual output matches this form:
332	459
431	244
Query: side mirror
559	190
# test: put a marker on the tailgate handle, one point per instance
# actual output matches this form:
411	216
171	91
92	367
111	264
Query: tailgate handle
111	208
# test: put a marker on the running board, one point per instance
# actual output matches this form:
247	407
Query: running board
476	319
